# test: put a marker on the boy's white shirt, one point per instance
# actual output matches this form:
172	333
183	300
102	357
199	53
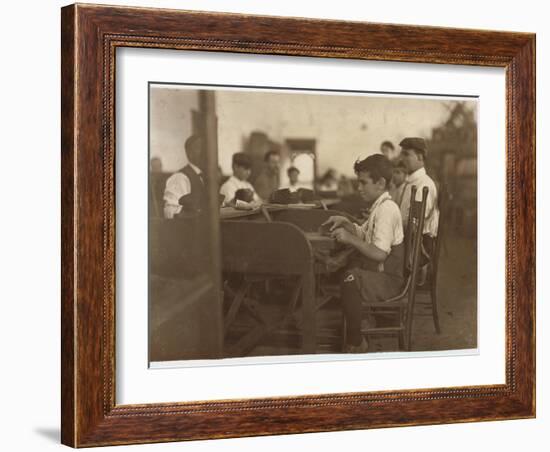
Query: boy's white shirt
230	187
383	227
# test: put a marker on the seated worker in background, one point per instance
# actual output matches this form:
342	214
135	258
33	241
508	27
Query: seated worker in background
185	191
345	187
328	182
413	154
293	174
238	192
375	271
398	181
155	165
294	192
269	179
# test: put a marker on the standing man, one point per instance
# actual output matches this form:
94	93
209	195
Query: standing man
185	190
413	155
268	180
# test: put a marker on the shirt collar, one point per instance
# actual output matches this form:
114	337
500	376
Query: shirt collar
379	201
195	168
418	174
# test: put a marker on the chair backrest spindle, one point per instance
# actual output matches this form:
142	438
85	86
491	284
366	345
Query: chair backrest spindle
417	215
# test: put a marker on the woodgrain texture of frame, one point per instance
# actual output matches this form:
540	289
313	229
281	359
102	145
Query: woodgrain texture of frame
90	36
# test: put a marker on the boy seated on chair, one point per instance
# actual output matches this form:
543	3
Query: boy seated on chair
238	192
375	271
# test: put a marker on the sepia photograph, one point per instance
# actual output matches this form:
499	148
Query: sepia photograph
299	222
273	225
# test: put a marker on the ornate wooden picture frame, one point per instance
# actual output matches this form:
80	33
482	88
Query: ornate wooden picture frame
90	37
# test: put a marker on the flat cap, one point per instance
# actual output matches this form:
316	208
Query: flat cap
418	144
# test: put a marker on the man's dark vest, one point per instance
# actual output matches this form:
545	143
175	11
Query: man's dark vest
196	200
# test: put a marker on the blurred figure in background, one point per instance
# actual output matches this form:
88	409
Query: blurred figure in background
398	181
293	174
156	165
388	149
269	179
345	187
294	192
328	182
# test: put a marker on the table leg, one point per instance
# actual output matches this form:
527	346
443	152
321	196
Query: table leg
309	321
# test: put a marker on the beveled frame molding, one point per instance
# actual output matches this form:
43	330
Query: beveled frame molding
90	35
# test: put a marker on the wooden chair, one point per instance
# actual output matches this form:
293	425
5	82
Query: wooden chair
267	251
430	287
184	299
401	307
310	220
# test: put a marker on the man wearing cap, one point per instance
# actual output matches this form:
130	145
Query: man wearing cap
413	156
238	182
185	190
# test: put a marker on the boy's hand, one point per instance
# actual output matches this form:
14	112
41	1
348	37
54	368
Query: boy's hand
343	236
336	221
243	205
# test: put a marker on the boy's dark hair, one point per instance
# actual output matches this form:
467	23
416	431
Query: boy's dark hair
292	169
243	160
269	154
377	165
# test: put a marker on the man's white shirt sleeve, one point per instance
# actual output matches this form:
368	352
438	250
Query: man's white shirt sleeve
177	185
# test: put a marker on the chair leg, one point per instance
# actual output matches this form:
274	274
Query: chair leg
344	333
408	330
238	299
435	312
308	314
401	336
401	340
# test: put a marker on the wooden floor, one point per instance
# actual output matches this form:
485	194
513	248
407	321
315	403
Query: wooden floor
457	306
